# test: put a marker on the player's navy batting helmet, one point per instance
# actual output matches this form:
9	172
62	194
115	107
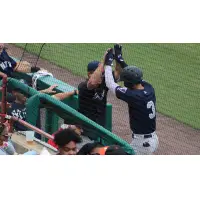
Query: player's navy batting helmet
131	75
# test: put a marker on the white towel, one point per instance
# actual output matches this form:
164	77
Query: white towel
37	75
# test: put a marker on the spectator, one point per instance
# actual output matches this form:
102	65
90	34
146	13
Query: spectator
8	65
6	147
90	149
50	90
115	150
18	107
98	149
76	128
67	140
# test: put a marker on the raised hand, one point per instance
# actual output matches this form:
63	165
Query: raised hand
108	57
118	51
118	55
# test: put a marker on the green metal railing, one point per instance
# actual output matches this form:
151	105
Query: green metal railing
65	110
47	81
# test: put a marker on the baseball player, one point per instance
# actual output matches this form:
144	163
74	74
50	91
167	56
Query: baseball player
8	65
93	93
93	97
141	100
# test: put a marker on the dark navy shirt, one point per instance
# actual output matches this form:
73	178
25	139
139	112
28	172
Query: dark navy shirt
142	108
19	111
7	64
92	103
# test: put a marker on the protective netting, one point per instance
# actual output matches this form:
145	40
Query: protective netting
173	70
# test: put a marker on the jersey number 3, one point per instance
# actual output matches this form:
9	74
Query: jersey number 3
150	105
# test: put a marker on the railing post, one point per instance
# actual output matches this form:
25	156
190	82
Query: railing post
51	122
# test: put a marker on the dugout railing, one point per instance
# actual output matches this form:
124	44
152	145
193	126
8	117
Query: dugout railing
66	110
47	81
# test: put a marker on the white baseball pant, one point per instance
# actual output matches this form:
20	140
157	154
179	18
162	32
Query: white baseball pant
145	146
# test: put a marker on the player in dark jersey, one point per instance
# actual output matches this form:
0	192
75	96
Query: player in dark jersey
141	100
93	96
92	102
9	65
93	93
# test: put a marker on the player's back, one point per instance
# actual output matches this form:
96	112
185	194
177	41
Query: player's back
142	108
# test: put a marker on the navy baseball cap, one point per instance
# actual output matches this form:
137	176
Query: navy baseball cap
92	66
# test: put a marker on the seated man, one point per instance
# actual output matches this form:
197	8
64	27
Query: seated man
18	107
67	141
9	65
76	128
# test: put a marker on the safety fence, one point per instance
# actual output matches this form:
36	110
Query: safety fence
170	68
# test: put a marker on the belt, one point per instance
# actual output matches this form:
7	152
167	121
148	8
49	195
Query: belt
148	136
145	136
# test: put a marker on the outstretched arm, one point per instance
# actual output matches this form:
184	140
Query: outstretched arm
117	71
120	63
65	95
49	90
60	96
118	56
110	83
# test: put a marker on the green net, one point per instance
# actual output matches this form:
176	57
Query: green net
171	68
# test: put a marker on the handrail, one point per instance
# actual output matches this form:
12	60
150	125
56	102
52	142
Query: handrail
63	110
3	101
88	125
26	124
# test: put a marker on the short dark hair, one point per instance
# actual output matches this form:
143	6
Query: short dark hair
65	136
87	148
115	150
